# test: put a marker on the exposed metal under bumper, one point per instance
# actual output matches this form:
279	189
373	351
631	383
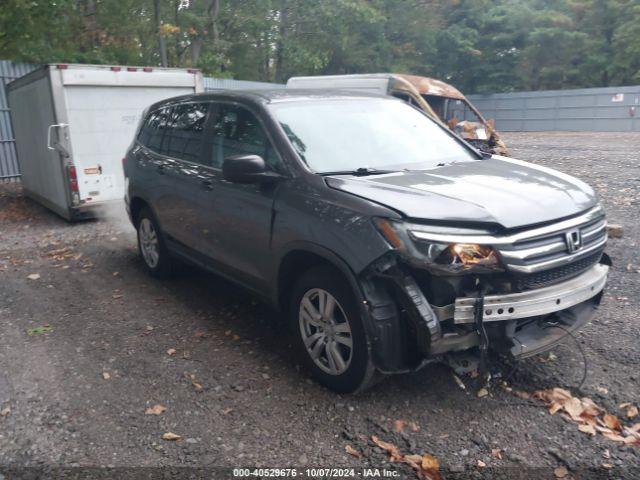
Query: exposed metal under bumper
535	302
533	339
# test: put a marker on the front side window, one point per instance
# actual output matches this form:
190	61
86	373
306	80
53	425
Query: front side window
237	131
346	134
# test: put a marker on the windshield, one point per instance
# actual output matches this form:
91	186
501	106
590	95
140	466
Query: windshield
344	135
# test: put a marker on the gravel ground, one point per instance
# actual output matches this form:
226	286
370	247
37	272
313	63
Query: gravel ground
110	342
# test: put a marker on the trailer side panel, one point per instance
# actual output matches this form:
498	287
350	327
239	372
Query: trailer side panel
32	112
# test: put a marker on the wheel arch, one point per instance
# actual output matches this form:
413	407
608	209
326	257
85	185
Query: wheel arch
299	258
136	204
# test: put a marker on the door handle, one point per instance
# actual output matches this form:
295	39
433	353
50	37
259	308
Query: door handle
207	184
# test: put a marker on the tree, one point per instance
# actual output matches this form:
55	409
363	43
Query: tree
478	45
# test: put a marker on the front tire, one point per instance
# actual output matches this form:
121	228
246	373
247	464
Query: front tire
154	253
329	331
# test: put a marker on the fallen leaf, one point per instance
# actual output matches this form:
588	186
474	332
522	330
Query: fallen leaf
171	351
573	407
607	466
399	425
555	406
235	338
117	295
483	392
606	454
560	472
115	274
613	436
227	410
106	375
602	390
227	333
5	411
39	330
590	408
522	395
611	421
171	436
390	448
590	429
414	461
481	464
352	451
496	453
33	276
197	386
632	411
429	462
634	428
426	466
624	405
155	410
200	334
414	426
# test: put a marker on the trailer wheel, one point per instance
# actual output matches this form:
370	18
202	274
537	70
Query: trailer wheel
153	250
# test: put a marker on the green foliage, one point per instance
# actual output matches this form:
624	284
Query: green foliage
478	45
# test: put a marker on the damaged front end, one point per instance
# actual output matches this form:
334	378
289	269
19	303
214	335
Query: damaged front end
443	290
481	134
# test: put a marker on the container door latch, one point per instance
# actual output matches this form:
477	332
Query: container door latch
57	146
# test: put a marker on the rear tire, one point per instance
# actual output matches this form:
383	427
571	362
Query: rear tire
329	332
154	253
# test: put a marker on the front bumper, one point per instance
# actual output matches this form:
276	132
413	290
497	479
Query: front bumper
532	303
406	329
527	323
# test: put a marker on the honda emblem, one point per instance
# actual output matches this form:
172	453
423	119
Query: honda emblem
573	240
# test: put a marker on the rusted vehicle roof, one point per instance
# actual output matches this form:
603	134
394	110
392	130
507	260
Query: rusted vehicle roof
431	86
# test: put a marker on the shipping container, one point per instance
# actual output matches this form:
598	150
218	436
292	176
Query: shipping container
73	124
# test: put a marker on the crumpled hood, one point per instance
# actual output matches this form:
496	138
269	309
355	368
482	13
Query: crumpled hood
499	190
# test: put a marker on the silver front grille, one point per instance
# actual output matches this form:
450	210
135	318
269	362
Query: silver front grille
536	249
556	245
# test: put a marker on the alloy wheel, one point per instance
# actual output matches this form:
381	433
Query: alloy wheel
149	245
325	331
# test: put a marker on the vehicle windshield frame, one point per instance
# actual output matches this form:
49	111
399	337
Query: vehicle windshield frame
272	112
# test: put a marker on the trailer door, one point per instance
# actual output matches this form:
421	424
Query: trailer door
102	122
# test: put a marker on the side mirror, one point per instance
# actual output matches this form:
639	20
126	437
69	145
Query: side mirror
247	169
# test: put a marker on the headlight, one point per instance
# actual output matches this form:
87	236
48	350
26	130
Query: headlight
440	256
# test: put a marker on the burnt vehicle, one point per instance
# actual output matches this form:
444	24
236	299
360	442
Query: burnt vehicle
438	99
384	239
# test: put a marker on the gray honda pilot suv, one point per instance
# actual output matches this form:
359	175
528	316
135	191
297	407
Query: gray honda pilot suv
385	240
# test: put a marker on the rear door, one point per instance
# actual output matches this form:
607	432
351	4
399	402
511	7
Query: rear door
174	137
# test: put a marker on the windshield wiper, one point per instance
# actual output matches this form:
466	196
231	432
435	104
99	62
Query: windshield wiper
359	172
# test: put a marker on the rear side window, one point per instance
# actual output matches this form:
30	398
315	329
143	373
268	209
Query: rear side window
237	131
183	139
176	131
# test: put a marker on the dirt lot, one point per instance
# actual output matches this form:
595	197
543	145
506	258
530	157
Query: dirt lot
89	342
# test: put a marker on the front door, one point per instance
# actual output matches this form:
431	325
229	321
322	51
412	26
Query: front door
237	217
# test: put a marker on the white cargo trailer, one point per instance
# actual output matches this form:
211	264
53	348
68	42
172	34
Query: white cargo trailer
73	124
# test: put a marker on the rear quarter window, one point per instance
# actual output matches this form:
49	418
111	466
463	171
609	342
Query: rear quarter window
154	128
